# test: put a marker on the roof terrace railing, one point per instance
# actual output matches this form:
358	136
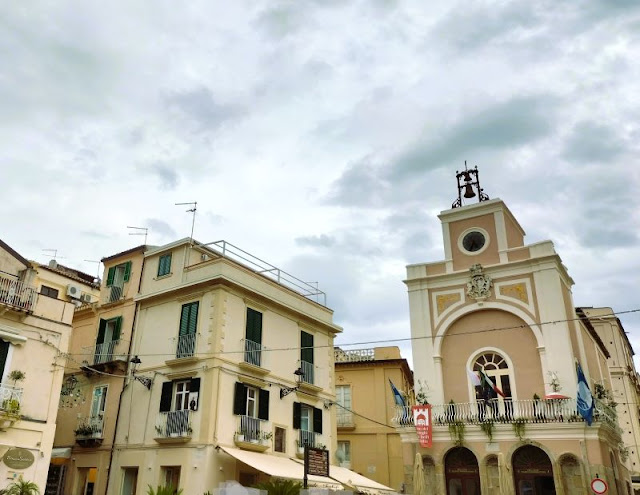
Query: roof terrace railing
307	289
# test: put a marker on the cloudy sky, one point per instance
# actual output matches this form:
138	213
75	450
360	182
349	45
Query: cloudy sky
324	136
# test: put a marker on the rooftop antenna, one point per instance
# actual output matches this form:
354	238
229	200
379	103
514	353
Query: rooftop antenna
146	231
191	210
98	263
54	251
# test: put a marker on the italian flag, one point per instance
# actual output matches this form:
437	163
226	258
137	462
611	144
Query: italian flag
486	381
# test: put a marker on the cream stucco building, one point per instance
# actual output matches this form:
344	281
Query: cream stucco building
94	379
37	303
232	374
498	305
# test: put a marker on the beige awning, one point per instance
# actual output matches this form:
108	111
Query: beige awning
353	479
280	467
61	453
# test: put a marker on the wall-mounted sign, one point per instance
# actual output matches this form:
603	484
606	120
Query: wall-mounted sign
599	486
422	422
17	458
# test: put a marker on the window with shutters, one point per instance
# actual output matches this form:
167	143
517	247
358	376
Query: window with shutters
308	420
251	405
4	354
108	338
116	278
164	265
306	357
178	401
187	331
253	338
49	292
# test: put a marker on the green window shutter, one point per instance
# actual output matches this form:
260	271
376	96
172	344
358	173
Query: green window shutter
101	330
189	318
254	326
117	327
317	420
306	344
127	271
110	274
297	415
263	404
164	265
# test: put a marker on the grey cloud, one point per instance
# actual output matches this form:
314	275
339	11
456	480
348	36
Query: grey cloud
157	226
322	240
592	142
516	122
167	175
200	107
360	184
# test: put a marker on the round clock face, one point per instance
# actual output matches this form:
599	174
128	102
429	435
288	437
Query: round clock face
473	241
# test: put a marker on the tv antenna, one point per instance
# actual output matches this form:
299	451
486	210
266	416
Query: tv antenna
98	263
194	205
140	232
54	251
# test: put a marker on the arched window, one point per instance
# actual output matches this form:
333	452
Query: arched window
497	369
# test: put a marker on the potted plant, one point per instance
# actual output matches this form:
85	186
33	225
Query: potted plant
299	447
83	430
266	437
239	436
17	376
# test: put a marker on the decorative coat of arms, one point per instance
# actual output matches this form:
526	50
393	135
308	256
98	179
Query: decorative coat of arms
479	286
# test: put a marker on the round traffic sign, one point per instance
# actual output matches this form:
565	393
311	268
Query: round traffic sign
599	486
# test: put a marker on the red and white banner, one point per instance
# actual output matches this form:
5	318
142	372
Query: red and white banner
422	421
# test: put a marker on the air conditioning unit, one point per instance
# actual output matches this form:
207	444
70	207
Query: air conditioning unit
73	291
85	298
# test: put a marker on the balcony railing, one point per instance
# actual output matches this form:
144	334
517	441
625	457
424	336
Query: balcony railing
354	355
10	399
253	429
16	294
344	418
186	345
104	353
113	293
174	424
506	411
308	438
308	370
252	352
91	426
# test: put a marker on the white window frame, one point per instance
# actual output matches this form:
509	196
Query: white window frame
181	395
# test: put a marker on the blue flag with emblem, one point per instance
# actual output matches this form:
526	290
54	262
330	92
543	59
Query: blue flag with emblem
584	398
397	396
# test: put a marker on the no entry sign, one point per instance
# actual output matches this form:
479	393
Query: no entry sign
599	486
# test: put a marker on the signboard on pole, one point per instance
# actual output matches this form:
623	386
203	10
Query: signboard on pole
422	421
317	461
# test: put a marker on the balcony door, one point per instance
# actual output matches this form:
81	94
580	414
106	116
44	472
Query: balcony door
497	369
108	337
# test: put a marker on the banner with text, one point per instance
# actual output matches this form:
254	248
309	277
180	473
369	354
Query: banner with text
422	420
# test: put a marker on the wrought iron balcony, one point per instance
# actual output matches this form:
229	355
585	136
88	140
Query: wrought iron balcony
508	411
10	399
310	439
344	418
174	425
253	353
90	427
16	294
308	370
253	433
354	355
106	352
186	345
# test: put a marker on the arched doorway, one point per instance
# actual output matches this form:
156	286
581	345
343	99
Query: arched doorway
533	472
461	472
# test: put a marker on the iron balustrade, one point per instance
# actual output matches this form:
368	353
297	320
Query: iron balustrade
104	352
308	438
114	293
354	355
174	423
253	429
252	352
506	411
91	426
344	417
308	370
186	345
17	294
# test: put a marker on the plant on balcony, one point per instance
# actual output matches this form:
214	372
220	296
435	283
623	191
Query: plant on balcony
624	452
17	376
518	428
456	430
422	395
280	487
163	490
554	383
488	426
11	407
240	436
22	487
83	430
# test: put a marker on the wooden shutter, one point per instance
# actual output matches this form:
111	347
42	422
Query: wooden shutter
306	344
317	420
263	405
117	327
127	271
4	350
194	392
110	275
189	318
254	326
101	330
165	398
297	415
240	399
184	319
193	318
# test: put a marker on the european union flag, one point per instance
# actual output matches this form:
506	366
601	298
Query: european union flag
584	399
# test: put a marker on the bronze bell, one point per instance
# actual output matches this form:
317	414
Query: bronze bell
468	191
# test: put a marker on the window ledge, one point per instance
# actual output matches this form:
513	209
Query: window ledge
259	370
254	446
176	439
308	388
160	277
182	360
346	427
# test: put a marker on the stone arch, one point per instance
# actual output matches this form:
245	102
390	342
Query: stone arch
571	471
500	306
461	469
